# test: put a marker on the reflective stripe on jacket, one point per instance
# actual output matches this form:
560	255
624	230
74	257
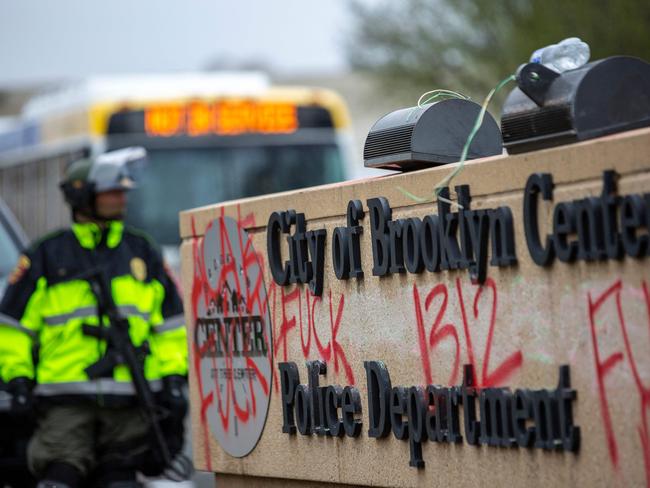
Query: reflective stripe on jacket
48	304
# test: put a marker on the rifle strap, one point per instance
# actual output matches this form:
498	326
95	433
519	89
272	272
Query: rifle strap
104	366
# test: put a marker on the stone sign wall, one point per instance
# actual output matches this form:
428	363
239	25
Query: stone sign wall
366	334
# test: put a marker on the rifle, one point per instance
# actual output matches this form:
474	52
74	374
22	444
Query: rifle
120	350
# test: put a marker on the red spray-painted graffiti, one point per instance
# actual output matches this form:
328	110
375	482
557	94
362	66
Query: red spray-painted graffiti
597	304
439	332
287	311
200	285
229	314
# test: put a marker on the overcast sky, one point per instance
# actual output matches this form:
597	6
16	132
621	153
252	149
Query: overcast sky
43	40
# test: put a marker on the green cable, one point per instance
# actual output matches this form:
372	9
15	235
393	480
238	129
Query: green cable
440	93
477	125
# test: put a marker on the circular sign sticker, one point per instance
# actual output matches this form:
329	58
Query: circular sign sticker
233	337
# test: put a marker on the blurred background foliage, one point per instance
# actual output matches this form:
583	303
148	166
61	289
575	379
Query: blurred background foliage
411	46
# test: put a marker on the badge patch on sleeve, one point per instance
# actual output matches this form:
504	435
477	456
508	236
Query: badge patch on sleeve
138	269
19	271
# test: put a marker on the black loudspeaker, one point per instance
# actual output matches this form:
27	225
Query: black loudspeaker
431	135
549	109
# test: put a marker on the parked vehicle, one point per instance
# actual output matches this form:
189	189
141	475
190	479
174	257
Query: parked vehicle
13	436
12	241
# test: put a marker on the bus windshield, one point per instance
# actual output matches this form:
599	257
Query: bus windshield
180	179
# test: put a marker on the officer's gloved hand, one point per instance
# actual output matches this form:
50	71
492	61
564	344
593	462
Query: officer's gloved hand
172	398
22	398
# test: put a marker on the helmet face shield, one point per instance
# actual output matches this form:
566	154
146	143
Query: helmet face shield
117	170
86	178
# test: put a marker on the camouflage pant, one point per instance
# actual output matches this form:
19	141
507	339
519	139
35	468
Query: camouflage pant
87	436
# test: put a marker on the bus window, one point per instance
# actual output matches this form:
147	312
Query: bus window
180	179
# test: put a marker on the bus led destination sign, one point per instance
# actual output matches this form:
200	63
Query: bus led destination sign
224	118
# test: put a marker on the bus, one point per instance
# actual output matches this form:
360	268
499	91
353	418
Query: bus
210	138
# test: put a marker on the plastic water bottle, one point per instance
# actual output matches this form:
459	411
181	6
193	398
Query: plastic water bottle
571	53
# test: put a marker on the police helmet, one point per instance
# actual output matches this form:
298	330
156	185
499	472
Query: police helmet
115	170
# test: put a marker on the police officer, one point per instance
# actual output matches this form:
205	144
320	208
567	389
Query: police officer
88	425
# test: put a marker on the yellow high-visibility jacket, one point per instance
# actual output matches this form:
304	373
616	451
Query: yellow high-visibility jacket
48	302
